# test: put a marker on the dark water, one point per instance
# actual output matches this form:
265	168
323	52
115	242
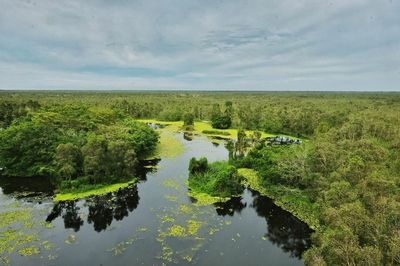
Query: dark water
133	226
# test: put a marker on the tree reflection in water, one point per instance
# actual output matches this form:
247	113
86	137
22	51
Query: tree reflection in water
102	209
188	136
283	229
229	207
145	167
69	213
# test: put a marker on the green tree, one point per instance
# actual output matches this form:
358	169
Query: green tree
95	157
69	160
198	166
27	149
188	119
122	159
220	120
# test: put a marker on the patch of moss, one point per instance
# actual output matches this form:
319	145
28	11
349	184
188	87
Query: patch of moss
187	258
176	231
203	199
18	233
171	184
29	251
183	208
10	217
167	219
122	246
171	197
193	226
46	224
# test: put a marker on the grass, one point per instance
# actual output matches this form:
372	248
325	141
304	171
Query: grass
203	128
216	132
292	200
91	191
169	145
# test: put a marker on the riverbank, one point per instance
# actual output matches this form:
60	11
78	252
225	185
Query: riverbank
96	190
294	201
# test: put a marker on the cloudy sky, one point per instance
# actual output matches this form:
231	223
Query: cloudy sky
216	44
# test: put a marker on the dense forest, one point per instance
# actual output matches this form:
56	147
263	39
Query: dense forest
78	146
344	180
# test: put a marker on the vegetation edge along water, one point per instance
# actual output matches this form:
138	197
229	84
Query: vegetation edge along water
298	205
93	191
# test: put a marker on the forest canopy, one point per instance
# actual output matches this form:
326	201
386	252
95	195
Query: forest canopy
75	144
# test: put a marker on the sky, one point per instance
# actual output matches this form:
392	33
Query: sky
200	45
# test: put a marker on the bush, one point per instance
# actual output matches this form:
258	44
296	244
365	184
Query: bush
218	179
198	166
188	119
216	132
221	122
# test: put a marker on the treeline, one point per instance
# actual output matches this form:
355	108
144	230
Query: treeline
76	145
299	114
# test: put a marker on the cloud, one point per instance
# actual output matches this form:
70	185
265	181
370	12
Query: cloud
238	45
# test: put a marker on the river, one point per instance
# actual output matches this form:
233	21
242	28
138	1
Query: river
155	222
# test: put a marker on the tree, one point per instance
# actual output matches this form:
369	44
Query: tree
122	159
69	160
27	149
241	143
198	166
95	156
229	109
188	119
221	120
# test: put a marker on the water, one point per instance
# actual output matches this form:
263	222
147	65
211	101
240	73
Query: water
156	222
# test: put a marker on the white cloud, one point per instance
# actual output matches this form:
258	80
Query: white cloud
318	45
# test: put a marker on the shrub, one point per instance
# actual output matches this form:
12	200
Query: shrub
216	179
216	132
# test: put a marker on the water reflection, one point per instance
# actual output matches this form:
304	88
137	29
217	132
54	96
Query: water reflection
102	210
25	187
145	167
188	136
69	213
231	206
283	229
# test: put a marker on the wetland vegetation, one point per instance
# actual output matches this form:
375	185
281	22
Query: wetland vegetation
334	199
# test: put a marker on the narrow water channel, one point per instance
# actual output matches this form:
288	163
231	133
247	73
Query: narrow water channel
155	222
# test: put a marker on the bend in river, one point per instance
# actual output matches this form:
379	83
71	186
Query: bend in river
155	222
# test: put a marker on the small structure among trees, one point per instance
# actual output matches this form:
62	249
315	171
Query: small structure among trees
279	140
